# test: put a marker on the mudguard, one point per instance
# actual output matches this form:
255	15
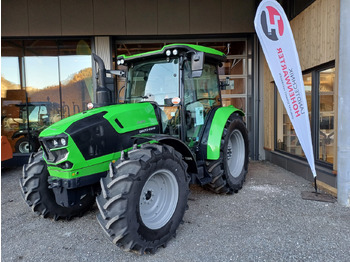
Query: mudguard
174	142
217	128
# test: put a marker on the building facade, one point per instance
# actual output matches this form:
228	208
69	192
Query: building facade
47	72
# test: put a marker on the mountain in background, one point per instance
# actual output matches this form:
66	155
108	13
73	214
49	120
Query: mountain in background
81	75
76	92
7	85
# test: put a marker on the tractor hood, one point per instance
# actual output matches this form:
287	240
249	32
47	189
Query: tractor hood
123	118
95	136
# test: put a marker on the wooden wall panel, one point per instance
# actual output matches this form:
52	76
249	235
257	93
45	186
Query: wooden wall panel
173	17
109	17
268	108
14	18
125	17
44	17
205	16
141	17
315	33
77	17
237	16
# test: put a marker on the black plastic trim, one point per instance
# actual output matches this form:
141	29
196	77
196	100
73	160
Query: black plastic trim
76	182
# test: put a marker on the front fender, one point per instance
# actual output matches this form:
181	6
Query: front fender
216	130
174	142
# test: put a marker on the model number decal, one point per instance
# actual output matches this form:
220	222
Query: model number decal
147	129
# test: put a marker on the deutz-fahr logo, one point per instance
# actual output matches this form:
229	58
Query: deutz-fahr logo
272	23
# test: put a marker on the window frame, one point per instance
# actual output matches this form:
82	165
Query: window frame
315	114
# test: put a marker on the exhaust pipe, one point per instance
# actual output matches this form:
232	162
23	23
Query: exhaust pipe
103	94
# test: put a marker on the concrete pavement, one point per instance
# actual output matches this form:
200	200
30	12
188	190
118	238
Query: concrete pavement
266	221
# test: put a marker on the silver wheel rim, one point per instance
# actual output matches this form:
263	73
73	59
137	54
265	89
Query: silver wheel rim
23	147
158	199
235	153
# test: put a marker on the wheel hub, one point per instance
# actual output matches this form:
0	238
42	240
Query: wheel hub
158	199
235	154
24	147
148	195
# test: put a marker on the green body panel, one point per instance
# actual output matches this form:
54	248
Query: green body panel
217	128
198	48
93	166
131	116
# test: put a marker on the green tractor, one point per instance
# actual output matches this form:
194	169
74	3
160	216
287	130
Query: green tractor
139	157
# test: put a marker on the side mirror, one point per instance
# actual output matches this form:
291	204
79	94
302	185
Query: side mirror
197	64
168	102
224	85
116	72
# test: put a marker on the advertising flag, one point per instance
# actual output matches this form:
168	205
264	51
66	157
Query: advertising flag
278	45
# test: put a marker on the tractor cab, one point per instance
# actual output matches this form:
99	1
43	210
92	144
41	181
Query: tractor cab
182	81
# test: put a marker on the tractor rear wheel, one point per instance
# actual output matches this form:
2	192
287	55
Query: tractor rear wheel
37	194
24	146
229	171
144	198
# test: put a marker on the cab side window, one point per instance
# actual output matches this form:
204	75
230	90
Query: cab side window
200	95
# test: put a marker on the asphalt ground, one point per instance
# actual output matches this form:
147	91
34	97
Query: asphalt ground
266	221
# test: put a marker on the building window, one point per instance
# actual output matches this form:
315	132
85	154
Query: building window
319	89
234	72
326	146
42	81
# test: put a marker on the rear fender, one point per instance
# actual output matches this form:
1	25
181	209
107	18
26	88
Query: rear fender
20	133
215	130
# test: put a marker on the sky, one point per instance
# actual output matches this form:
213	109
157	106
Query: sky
42	71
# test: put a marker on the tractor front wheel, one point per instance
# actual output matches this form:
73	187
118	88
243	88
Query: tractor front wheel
144	198
37	194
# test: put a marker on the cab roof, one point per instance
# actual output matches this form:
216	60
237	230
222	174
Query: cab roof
209	52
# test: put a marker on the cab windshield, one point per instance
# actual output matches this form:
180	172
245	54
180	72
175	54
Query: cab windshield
153	81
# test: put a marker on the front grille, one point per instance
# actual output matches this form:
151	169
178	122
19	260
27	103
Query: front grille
55	155
48	155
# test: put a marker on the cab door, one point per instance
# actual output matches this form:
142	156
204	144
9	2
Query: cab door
201	94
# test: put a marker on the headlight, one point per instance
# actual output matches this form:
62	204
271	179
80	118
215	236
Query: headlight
63	141
57	142
120	61
55	148
66	165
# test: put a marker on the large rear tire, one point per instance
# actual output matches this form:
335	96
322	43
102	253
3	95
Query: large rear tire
40	198
229	171
144	198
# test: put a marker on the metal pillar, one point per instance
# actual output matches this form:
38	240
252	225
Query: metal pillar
103	49
343	149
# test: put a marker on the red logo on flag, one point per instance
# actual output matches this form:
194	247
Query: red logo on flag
272	23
